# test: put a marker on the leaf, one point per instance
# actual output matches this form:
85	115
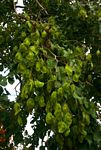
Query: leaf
3	81
18	57
54	96
49	86
11	80
68	70
39	84
34	49
24	92
30	56
44	34
97	137
38	66
89	140
41	101
27	41
30	103
29	24
84	133
42	147
23	48
67	119
51	63
20	122
67	132
65	108
72	86
49	118
77	97
60	91
75	77
62	127
58	111
86	118
17	108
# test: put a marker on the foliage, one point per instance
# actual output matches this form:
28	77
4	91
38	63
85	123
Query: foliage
53	48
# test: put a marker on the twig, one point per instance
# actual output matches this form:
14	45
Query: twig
16	89
89	83
41	7
52	54
18	6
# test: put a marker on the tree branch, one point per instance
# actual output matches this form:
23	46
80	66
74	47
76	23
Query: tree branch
18	6
41	7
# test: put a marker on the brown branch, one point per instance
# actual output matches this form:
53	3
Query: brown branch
89	83
41	7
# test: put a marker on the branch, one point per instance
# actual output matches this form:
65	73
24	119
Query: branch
16	88
18	6
41	7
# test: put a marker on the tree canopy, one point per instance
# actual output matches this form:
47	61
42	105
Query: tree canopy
54	49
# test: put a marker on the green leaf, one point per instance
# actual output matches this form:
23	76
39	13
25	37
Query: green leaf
89	139
39	84
34	49
29	24
44	34
86	118
51	63
72	86
60	91
3	81
62	127
22	47
17	108
68	70
58	111
30	56
75	77
30	103
18	57
42	147
20	122
49	118
27	41
67	132
23	34
11	80
54	96
65	108
41	101
97	137
67	119
38	66
77	97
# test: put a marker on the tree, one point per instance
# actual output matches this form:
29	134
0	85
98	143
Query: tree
53	48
